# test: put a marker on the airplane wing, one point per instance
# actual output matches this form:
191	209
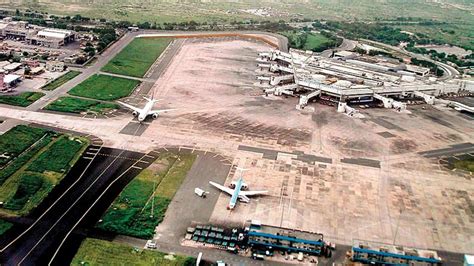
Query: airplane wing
223	188
159	111
252	193
130	107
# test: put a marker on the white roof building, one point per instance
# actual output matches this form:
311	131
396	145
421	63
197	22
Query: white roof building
12	66
49	34
7	79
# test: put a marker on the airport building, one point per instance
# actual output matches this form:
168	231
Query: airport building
348	78
35	35
386	254
286	240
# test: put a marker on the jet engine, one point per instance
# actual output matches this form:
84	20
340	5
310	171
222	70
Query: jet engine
155	115
135	113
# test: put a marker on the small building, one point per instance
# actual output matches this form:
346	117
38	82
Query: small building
420	71
36	70
31	62
345	55
55	66
11	80
12	67
3	64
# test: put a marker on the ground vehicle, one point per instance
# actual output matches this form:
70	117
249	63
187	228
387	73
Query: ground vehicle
201	193
151	244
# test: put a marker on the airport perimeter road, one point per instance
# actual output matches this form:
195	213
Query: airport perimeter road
84	194
450	72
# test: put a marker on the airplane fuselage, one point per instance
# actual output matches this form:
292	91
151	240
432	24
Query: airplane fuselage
145	111
235	195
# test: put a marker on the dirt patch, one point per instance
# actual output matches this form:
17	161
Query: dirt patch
401	146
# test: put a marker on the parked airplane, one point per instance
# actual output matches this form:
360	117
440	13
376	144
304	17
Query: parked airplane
142	114
237	191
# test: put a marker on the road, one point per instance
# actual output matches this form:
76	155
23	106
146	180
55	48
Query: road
346	45
450	71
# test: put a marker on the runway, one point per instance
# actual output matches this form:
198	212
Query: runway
78	201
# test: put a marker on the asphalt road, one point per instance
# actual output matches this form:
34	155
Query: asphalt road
450	72
87	191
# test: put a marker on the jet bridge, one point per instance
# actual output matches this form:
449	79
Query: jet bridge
279	90
275	80
390	103
305	98
429	99
277	67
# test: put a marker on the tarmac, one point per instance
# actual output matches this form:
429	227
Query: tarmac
376	178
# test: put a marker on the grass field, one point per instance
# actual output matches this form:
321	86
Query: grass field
101	252
28	177
467	165
135	59
104	87
77	105
227	11
18	139
61	80
313	41
130	213
4	226
58	157
23	99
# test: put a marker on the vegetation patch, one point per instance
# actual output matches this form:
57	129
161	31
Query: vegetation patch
30	183
28	177
467	164
61	80
77	105
23	99
101	252
58	157
316	42
17	140
130	213
135	59
104	87
4	226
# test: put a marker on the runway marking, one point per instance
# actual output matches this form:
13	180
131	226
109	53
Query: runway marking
87	158
118	156
146	155
136	167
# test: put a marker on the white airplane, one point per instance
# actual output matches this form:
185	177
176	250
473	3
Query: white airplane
238	191
142	114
